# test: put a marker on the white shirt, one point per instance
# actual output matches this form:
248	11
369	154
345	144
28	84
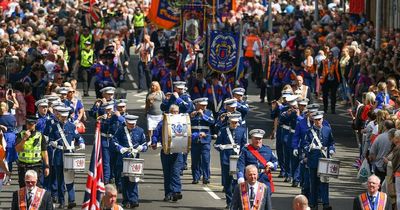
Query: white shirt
32	194
255	189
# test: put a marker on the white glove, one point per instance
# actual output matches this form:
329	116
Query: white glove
139	148
219	83
82	146
237	82
123	150
331	152
240	180
53	144
295	152
222	147
271	165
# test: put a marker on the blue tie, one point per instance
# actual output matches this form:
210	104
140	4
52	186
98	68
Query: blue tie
372	201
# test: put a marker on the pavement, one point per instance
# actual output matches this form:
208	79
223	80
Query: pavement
342	190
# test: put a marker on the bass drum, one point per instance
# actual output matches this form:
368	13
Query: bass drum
176	133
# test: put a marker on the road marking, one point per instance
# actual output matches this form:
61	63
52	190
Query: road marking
211	193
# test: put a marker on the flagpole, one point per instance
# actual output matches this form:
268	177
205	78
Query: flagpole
240	54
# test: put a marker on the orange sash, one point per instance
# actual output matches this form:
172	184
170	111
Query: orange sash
245	197
366	205
35	203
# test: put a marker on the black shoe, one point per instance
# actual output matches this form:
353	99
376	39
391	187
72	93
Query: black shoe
333	112
176	196
127	206
86	95
71	205
205	181
134	205
286	179
327	207
295	184
54	199
262	101
61	206
185	168
167	198
227	207
195	181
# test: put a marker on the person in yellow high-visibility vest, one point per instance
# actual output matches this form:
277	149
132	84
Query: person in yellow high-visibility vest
32	150
138	24
86	59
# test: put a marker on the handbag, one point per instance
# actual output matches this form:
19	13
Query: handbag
364	171
80	127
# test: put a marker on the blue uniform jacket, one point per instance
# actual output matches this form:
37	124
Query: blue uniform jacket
243	108
42	122
202	124
238	135
109	127
219	123
96	111
326	138
71	134
157	134
301	129
184	102
120	140
246	158
277	75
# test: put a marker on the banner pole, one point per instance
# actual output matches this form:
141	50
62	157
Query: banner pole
240	54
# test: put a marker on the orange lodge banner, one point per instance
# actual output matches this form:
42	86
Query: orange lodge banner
163	14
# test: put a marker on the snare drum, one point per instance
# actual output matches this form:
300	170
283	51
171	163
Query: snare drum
74	161
133	167
328	167
176	133
233	159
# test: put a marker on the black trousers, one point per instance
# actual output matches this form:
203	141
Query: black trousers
23	167
329	89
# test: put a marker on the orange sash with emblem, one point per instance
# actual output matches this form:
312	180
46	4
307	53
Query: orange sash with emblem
367	206
35	203
245	196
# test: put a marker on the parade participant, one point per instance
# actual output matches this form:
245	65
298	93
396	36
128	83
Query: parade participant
372	199
277	107
86	38
288	120
198	84
300	202
108	96
216	93
78	114
109	200
318	142
42	113
32	150
145	50
62	137
171	163
99	68
129	140
138	24
330	80
253	47
201	119
303	91
251	194
231	139
31	196
86	60
259	155
276	79
109	122
167	80
178	97
242	105
121	107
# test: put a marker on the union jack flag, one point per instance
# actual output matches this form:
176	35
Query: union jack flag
92	12
94	184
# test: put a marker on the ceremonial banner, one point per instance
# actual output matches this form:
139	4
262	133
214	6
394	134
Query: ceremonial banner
164	14
223	51
193	25
357	6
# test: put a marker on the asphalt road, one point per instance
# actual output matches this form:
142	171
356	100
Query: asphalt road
200	196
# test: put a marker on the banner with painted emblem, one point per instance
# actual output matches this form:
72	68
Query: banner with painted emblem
164	13
223	51
193	25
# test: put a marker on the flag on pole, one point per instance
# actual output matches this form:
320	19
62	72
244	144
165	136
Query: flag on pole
94	184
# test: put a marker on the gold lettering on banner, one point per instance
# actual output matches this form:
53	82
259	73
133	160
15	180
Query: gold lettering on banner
165	13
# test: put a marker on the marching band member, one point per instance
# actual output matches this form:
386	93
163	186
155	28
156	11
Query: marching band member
288	119
121	107
242	105
230	108
171	163
62	137
201	120
318	143
231	139
198	84
178	97
259	155
109	122
330	80
31	148
129	140
216	93
42	113
108	96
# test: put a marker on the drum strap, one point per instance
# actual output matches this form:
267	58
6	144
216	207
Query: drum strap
128	136
64	139
217	106
236	148
316	138
260	158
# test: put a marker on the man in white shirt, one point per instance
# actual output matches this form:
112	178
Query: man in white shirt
372	199
251	190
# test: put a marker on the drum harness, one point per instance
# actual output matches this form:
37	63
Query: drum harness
316	138
217	106
233	145
64	139
128	136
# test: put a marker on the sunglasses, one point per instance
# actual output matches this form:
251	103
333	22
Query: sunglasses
30	182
